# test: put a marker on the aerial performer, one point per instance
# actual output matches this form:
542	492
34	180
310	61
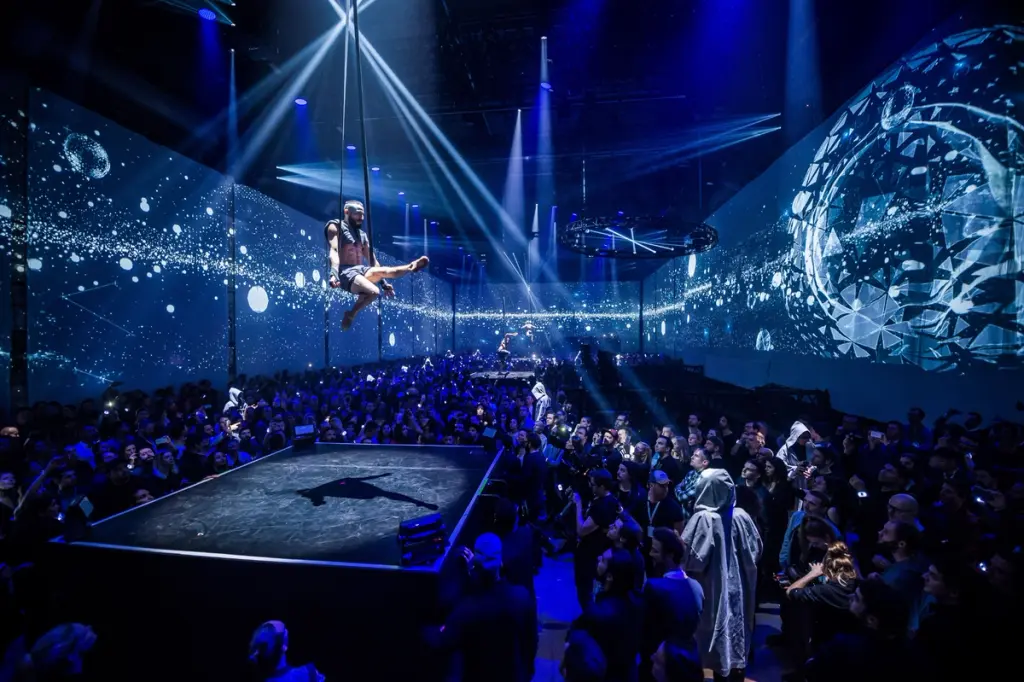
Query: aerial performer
350	252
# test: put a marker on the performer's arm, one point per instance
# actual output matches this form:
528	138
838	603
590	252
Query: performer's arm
333	255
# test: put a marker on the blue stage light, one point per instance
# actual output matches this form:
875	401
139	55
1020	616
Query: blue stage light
301	102
207	14
401	194
415	205
351	147
375	168
546	85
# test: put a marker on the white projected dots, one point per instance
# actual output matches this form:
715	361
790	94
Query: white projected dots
258	299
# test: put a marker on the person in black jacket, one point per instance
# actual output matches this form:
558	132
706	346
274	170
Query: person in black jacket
613	618
824	593
880	652
672	601
520	546
493	628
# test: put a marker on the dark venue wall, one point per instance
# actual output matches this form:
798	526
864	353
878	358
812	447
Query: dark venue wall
606	313
129	264
883	250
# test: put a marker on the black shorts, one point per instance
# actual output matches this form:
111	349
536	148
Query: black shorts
348	275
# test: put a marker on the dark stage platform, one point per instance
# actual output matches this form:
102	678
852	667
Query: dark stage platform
309	538
338	503
504	376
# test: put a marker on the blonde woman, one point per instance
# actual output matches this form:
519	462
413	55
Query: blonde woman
822	598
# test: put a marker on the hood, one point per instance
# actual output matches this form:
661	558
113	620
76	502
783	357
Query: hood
795	431
235	396
715	491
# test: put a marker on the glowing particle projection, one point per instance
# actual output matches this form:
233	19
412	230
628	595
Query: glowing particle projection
5	211
258	299
170	309
898	107
144	205
57	167
300	280
86	156
209	211
135	279
90	204
176	229
302	232
391	339
126	263
691	266
588	327
243	250
909	238
663	327
316	275
63	215
35	264
75	258
764	340
81	288
157	269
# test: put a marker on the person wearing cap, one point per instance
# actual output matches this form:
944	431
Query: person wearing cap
592	524
349	252
493	628
659	509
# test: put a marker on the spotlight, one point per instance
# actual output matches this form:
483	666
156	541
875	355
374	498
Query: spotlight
415	205
207	14
301	102
375	169
401	194
546	85
447	236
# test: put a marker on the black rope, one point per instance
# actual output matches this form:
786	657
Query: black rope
366	171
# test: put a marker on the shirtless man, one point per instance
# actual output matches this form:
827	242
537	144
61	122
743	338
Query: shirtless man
350	251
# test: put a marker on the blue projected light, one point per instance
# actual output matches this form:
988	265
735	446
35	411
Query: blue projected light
207	14
546	85
375	169
301	102
401	194
351	147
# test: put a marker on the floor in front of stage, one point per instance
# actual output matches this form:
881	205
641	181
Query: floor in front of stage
340	503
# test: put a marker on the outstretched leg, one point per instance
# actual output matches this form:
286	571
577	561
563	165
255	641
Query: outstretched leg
380	272
366	293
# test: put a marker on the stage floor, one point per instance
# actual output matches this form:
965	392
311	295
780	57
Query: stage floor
337	503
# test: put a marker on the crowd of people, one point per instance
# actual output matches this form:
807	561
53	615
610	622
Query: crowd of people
893	549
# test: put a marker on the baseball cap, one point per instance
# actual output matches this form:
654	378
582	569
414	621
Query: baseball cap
487	551
659	477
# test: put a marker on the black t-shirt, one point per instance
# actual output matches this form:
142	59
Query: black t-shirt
348	234
664	514
604	511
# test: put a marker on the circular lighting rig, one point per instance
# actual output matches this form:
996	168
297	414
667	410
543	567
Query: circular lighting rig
632	237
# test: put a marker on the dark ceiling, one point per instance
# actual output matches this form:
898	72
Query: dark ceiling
629	79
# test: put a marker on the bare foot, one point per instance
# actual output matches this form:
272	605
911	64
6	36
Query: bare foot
346	321
419	264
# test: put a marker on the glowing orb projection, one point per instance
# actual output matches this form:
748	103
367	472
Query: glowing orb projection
258	299
908	229
86	156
